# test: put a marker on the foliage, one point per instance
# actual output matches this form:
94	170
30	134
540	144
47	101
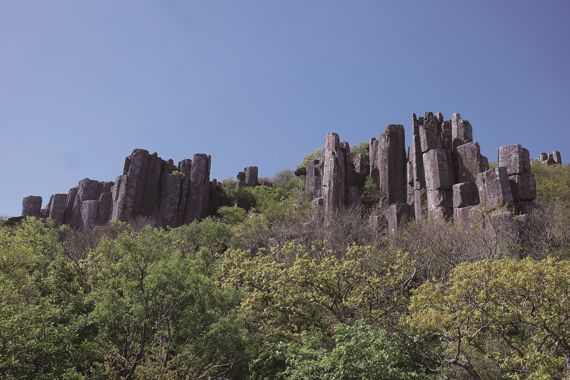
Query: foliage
232	215
370	193
361	148
552	183
502	318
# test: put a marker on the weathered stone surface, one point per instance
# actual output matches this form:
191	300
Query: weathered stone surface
169	200
397	216
461	130
372	155
515	159
543	157
199	189
523	187
313	178
416	158
185	166
437	170
120	211
129	189
420	204
183	199
334	176
441	213
504	233
439	199
105	208
359	169
240	183
446	135
32	206
57	207
465	194
376	222
469	162
70	201
430	137
251	176
494	188
468	216
392	165
88	214
556	157
87	190
151	195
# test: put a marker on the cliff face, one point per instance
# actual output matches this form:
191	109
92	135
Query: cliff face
442	175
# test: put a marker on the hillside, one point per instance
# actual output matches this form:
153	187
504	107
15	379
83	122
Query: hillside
266	289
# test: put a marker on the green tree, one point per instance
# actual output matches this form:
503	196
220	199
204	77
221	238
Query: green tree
500	319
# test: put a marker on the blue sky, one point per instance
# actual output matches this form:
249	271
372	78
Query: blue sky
82	83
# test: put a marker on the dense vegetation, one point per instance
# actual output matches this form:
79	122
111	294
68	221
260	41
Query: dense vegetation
266	291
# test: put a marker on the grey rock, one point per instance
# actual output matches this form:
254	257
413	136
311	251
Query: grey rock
397	216
313	178
32	206
523	187
372	156
430	137
105	208
468	216
461	130
88	214
151	195
70	201
447	135
57	207
514	158
439	199
199	189
469	162
420	204
185	167
392	165
251	174
557	157
169	200
87	190
334	184
465	194
437	170
240	183
441	213
494	188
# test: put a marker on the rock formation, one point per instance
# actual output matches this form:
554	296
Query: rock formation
442	174
550	158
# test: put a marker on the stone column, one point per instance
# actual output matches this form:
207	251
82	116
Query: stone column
31	206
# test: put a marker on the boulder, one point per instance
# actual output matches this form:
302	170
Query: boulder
32	206
514	158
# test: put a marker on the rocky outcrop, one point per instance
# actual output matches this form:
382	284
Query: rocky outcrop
149	187
553	158
441	175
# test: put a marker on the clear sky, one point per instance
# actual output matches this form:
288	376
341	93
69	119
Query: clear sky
82	83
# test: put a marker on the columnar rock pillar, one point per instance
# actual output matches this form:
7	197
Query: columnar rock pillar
515	160
251	176
391	163
334	177
199	188
31	206
57	207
